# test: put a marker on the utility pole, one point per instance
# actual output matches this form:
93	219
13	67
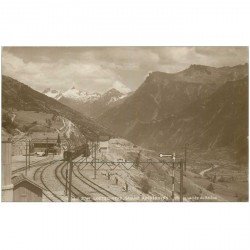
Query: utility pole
66	185
87	145
26	160
29	154
181	181
185	166
173	172
173	177
95	163
70	177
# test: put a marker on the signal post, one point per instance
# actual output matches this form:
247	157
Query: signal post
173	156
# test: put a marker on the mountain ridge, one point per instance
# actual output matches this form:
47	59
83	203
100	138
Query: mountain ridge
90	104
162	97
22	97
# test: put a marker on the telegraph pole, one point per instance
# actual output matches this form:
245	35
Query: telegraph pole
29	154
87	145
95	163
92	148
26	160
66	185
47	146
173	172
185	166
181	181
173	177
70	177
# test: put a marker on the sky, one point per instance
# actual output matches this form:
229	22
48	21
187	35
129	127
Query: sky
98	69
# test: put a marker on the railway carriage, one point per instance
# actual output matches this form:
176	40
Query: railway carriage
76	152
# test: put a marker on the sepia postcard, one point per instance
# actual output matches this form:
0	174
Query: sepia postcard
124	124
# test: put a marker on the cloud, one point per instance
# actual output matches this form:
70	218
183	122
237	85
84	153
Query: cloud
121	87
59	75
97	69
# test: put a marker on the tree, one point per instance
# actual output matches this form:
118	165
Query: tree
210	187
145	185
137	160
54	117
59	140
49	122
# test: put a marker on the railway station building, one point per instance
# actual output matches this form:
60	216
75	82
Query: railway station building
42	141
104	144
26	190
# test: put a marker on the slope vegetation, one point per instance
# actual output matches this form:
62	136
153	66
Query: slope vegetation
18	96
204	106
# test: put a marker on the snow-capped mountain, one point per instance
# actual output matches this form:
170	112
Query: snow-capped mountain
73	94
107	100
81	96
92	104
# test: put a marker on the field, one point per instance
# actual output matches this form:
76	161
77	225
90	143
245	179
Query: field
221	172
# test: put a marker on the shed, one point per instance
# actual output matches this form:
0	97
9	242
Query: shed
26	190
42	141
103	147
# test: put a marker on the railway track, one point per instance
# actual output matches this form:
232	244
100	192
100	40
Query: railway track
34	164
59	173
106	193
123	169
41	170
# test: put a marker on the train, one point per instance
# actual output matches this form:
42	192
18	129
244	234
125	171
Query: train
76	152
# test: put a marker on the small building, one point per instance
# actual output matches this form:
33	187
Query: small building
43	141
7	186
26	190
103	147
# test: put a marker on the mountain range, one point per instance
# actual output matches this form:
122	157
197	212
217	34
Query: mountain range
203	106
18	96
206	107
90	104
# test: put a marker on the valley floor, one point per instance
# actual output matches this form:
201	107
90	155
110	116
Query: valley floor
119	179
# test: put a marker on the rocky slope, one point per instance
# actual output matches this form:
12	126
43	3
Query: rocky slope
16	95
204	106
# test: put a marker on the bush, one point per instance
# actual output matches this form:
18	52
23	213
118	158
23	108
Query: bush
210	187
7	123
145	185
184	191
221	179
243	198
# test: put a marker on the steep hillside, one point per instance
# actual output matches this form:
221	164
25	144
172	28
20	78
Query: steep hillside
197	105
16	95
220	120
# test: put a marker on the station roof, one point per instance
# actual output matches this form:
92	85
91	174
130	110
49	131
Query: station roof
6	137
43	137
21	178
